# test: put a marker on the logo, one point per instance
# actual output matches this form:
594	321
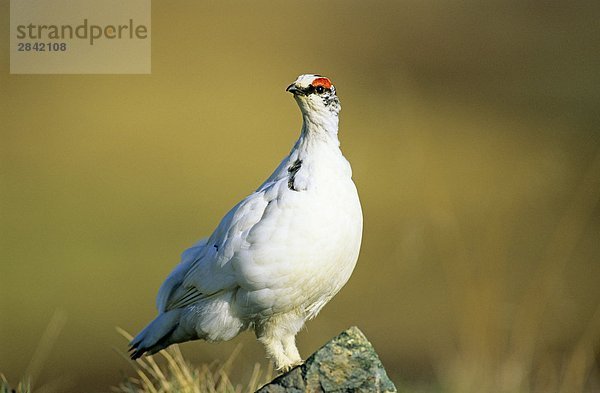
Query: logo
80	37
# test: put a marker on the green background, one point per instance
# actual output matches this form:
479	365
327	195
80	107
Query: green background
473	128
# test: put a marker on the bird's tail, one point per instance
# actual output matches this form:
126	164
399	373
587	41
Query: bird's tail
163	331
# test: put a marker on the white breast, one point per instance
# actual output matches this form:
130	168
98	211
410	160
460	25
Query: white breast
306	244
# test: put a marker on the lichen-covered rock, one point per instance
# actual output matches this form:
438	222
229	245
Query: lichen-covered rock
347	363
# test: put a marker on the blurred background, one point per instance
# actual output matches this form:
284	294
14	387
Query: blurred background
473	128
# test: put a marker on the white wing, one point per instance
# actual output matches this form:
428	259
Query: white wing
205	268
213	271
175	279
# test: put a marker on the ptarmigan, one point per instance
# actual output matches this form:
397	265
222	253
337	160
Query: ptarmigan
279	255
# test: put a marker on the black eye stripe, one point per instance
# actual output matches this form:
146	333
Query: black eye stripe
318	89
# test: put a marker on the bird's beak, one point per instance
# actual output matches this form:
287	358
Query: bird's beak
295	90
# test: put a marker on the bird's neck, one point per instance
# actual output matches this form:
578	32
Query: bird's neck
318	141
319	130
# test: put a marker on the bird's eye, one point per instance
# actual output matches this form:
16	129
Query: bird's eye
320	89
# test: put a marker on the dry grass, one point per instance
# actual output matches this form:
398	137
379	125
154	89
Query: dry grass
167	372
22	387
172	373
38	362
473	369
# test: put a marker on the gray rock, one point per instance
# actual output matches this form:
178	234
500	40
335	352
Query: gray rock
347	363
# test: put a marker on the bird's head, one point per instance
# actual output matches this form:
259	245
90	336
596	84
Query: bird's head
315	95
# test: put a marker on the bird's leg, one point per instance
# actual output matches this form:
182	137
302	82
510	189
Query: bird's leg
275	351
278	336
291	351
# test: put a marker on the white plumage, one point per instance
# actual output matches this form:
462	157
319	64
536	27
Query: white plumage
279	255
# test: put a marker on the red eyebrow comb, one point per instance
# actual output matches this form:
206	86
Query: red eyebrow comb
326	83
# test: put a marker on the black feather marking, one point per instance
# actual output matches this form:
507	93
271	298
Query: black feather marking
137	351
292	170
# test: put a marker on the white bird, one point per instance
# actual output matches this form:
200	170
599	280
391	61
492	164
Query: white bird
279	255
